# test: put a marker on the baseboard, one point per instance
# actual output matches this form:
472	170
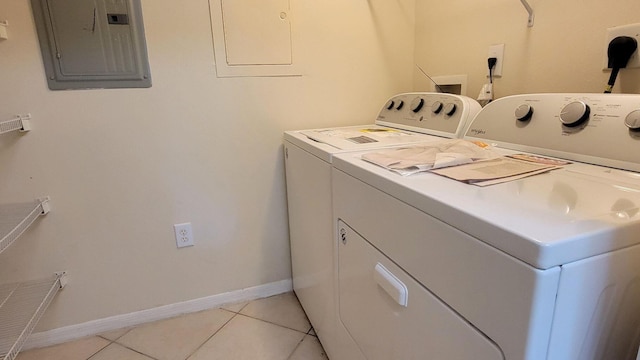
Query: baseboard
95	327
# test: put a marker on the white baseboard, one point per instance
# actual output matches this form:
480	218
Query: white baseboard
95	327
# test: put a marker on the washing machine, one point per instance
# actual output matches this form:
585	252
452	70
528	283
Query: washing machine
542	267
404	119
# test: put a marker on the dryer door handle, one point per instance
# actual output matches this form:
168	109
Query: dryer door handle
391	284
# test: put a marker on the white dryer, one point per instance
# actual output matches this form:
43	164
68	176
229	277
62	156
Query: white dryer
545	267
404	119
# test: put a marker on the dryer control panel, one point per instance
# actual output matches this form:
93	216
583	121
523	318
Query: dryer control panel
602	129
431	113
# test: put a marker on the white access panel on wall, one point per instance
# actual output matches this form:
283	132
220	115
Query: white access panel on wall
253	38
257	32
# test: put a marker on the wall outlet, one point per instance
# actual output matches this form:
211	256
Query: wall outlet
496	51
184	234
633	31
4	24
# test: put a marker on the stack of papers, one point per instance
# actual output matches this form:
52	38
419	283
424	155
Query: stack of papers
435	155
496	171
470	162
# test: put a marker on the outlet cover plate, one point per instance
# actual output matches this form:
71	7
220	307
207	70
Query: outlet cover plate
632	30
184	234
496	51
4	24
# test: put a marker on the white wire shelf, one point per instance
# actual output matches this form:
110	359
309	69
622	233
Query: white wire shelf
16	218
20	123
21	307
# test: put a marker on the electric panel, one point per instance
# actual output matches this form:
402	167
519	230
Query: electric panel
92	44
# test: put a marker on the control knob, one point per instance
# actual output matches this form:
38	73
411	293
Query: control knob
389	105
450	109
417	104
399	105
436	107
574	114
524	112
633	120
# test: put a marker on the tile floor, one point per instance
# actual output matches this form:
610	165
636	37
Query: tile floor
263	329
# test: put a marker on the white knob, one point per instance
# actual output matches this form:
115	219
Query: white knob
416	104
633	120
574	113
450	109
524	112
436	107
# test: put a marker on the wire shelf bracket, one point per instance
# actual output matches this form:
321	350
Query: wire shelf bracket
21	307
15	219
530	11
21	123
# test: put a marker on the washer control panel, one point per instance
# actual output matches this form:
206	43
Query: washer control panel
603	129
430	113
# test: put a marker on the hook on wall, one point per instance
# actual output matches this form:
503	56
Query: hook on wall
530	11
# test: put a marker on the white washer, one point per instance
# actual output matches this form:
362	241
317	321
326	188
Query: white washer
545	267
404	119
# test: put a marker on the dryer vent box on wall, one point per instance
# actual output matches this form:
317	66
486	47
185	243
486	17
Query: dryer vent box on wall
92	43
451	84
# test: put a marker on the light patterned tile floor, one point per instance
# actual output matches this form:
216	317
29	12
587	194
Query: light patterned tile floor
273	328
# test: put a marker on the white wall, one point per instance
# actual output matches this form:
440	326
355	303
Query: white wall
123	166
562	52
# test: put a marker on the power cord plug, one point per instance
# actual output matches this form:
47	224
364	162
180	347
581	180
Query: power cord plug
619	51
492	63
486	93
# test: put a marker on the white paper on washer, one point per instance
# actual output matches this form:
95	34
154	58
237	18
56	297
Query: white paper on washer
413	159
499	170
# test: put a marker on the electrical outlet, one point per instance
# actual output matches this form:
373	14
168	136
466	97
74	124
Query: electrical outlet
184	234
496	51
3	30
632	30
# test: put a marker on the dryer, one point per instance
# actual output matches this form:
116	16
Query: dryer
544	267
404	119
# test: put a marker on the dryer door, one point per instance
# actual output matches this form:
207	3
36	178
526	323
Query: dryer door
391	316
